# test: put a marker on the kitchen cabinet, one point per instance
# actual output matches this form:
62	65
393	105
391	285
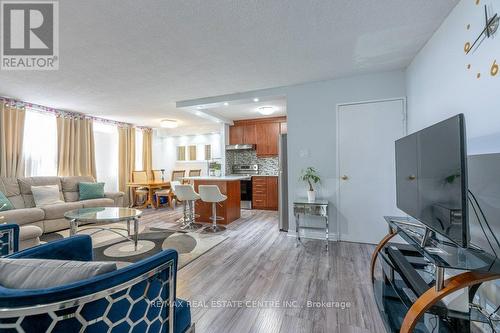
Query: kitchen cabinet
265	192
267	139
263	133
250	134
236	135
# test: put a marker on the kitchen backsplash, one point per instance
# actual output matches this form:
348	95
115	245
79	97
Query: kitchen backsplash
268	166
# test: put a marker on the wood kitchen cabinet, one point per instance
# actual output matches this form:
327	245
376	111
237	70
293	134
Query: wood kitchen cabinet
265	192
236	135
263	133
267	139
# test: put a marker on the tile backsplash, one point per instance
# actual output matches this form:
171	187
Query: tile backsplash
268	166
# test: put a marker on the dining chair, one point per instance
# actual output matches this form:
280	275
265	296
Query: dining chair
195	173
178	175
192	173
156	174
140	192
168	193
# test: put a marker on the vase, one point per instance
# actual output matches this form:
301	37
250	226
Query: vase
311	196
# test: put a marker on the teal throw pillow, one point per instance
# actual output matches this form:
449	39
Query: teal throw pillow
5	203
91	190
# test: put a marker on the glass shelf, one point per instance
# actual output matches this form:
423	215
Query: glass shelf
441	252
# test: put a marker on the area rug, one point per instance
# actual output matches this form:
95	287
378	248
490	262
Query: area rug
111	247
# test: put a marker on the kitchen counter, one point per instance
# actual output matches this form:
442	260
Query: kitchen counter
219	178
230	209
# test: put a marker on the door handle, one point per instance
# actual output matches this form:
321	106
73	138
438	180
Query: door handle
412	177
344	177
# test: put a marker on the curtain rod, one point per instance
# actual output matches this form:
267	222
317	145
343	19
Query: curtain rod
62	113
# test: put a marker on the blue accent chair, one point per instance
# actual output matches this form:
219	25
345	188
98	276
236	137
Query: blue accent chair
9	239
136	298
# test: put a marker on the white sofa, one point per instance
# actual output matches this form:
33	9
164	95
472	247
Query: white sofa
50	217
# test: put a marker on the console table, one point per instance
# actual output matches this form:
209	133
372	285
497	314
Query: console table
409	291
315	208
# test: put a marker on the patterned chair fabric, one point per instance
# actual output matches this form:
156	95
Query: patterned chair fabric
9	239
137	298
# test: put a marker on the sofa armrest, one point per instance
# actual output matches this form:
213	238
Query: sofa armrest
116	196
77	247
9	239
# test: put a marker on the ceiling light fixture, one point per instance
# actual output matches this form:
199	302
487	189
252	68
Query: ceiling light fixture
199	107
226	103
255	99
168	123
198	113
266	110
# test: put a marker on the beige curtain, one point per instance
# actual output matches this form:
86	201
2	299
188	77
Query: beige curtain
11	140
126	160
147	150
75	147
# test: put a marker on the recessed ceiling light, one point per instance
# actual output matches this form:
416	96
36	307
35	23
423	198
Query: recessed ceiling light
266	110
168	123
198	113
226	103
198	107
256	99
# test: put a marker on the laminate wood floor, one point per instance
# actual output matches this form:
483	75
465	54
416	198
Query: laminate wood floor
258	280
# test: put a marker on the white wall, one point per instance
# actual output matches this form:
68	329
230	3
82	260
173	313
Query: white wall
165	151
312	135
439	84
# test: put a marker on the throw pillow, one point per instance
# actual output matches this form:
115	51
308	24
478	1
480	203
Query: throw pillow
5	203
46	195
47	273
91	190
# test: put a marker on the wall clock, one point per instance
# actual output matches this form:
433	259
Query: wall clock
482	31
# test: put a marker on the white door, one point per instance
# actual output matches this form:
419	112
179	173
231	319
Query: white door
367	172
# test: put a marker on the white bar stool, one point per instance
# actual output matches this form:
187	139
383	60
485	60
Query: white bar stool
188	196
211	193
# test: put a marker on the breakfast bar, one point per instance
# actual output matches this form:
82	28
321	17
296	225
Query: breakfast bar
230	209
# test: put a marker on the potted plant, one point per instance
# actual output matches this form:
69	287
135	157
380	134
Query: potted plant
310	175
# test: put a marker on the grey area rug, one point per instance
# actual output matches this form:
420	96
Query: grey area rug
111	247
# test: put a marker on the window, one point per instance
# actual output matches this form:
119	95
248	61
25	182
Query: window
106	155
181	153
192	153
138	149
208	152
40	144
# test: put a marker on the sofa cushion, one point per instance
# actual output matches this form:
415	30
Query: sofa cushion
10	188
5	203
23	215
46	195
91	190
102	202
55	225
57	211
70	186
26	183
182	315
46	273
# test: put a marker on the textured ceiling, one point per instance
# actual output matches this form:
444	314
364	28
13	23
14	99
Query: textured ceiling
131	60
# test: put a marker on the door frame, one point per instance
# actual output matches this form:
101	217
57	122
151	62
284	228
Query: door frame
337	144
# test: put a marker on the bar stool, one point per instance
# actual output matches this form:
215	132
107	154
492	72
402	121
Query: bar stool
188	196
211	193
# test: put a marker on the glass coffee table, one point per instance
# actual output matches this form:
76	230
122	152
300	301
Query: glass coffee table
105	215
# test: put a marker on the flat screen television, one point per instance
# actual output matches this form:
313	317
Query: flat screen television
431	178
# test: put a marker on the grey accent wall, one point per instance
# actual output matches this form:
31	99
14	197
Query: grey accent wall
268	166
312	132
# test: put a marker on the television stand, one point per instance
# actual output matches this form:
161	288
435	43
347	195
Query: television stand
409	283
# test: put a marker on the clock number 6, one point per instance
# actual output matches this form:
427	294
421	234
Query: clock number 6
494	68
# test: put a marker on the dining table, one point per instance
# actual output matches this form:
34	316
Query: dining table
151	185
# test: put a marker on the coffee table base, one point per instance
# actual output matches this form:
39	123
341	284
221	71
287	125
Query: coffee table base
135	238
